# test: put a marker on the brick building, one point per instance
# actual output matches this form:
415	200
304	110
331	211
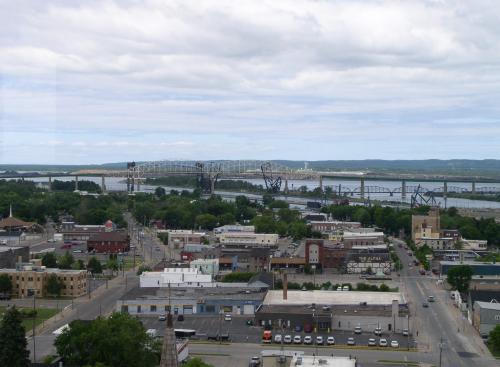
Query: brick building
109	242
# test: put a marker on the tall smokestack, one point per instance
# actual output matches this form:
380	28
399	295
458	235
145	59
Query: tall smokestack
285	286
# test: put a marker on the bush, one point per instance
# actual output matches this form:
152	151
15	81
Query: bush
238	277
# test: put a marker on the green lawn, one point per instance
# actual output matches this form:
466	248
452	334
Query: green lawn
42	315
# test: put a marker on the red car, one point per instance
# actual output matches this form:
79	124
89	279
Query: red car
66	246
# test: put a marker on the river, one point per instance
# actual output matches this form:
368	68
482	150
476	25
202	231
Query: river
119	184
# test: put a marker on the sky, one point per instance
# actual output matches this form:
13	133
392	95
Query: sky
111	81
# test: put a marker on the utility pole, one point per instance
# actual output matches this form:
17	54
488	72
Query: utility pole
34	319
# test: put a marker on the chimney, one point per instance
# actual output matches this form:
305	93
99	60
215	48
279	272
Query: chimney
285	286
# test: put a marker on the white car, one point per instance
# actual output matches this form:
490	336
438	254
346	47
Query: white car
287	339
394	344
319	340
351	341
77	251
358	330
382	342
405	332
228	317
297	339
372	342
377	331
330	340
307	339
278	338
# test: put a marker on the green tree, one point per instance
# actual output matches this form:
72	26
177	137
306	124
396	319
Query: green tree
160	192
5	284
120	340
13	352
142	269
66	261
49	260
494	340
112	265
206	221
267	199
459	277
54	285
94	266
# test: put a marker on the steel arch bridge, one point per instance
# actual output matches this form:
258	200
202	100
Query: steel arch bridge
208	172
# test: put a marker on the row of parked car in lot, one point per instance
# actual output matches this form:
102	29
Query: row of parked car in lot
330	340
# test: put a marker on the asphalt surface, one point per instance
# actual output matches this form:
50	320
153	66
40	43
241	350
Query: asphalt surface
440	325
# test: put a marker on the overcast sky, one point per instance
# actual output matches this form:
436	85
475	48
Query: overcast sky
105	81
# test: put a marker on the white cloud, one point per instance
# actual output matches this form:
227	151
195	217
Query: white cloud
265	78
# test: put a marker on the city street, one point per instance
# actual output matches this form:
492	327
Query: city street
459	341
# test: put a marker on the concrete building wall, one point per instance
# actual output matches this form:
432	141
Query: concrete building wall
9	256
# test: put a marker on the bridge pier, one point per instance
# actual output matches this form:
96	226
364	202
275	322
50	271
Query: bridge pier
50	183
321	182
403	189
103	184
286	185
445	190
76	183
138	185
473	187
362	189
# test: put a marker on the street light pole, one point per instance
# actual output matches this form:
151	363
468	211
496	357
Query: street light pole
440	350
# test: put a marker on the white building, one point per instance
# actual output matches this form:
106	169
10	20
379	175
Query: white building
474	244
436	243
176	278
247	238
234	228
206	266
323	361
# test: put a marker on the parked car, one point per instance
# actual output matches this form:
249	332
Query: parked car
249	322
345	288
278	338
297	339
394	344
77	251
162	318
228	317
431	299
287	339
319	340
308	339
425	304
4	296
382	342
339	288
180	317
298	328
372	342
255	361
378	331
405	332
308	328
351	341
213	337
358	330
330	340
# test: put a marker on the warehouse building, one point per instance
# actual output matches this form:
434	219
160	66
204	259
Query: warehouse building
236	299
479	268
327	310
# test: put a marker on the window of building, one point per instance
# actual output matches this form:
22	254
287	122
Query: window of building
125	308
210	308
139	309
497	317
167	308
152	308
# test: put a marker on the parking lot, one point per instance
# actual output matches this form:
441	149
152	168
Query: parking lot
239	331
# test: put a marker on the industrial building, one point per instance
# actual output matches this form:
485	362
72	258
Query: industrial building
327	310
234	228
486	316
326	227
180	238
237	299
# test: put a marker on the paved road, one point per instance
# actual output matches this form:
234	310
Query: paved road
440	320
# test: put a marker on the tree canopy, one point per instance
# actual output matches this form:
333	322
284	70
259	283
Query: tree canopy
54	285
5	284
119	340
13	352
459	277
494	340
